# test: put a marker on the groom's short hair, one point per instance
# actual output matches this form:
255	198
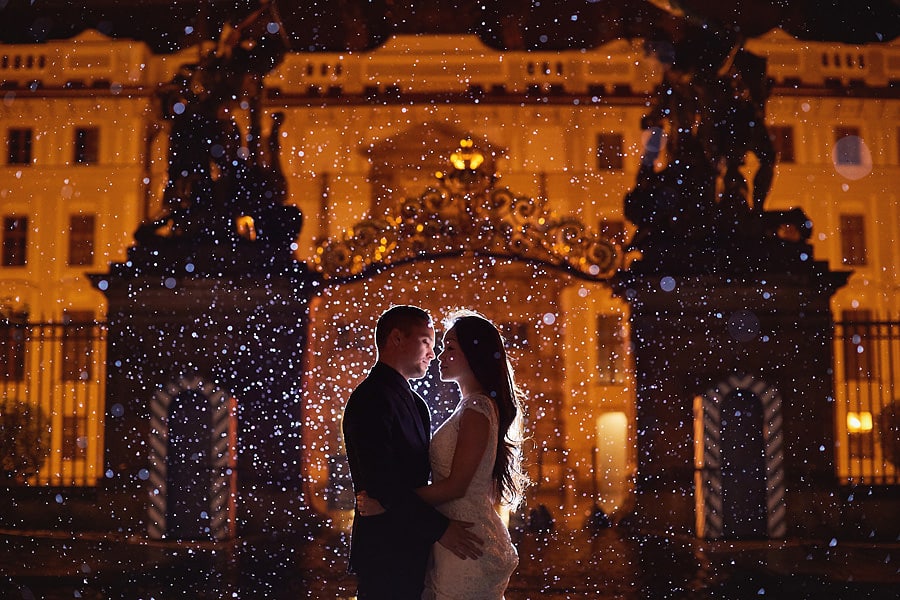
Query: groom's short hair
402	317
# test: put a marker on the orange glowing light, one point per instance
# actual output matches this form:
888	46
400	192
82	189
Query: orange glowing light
245	227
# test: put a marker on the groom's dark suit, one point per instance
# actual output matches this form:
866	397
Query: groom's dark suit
387	431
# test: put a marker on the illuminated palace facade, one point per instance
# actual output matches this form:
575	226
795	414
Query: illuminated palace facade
85	161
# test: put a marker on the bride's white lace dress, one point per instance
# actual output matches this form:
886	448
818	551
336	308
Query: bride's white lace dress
484	578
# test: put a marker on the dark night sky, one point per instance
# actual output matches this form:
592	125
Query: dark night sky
331	25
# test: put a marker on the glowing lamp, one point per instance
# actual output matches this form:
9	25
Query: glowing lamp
859	422
466	157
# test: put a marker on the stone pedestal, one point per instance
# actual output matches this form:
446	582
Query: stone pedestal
733	361
205	352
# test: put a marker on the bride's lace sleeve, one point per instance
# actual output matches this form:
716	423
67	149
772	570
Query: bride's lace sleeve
481	403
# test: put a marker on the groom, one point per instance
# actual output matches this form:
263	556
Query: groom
387	432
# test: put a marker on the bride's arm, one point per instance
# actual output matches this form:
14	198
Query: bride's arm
474	432
471	442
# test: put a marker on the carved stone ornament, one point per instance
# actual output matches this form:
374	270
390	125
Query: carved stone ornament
494	223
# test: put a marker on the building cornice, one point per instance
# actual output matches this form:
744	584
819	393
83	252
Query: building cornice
451	69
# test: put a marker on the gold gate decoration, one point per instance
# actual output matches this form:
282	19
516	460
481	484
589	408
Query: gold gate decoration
494	223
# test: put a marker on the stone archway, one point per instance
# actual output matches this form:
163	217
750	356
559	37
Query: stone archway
505	255
206	508
342	350
723	465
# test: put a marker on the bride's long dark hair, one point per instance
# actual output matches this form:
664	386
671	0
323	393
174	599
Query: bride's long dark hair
483	347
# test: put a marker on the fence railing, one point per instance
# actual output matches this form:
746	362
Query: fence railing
52	382
52	378
867	402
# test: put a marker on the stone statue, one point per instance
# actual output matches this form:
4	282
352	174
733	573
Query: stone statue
705	116
225	184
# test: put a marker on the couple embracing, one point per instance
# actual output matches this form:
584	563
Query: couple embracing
413	539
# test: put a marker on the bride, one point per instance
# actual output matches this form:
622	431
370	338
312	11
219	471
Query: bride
475	461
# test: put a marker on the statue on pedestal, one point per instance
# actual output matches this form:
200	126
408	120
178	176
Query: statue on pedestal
225	182
705	117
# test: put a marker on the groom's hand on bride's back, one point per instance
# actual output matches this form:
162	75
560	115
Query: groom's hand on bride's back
460	541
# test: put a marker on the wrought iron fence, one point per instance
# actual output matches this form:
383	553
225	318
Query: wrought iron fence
867	401
52	378
52	382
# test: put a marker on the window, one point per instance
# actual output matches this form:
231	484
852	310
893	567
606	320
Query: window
12	350
81	239
610	153
87	145
848	149
516	333
76	345
74	437
859	360
860	442
610	349
18	146
853	240
782	137
15	240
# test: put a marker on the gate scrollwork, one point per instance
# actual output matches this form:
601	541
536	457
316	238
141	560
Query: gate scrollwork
496	223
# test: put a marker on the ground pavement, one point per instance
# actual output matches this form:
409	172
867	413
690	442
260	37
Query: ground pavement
611	563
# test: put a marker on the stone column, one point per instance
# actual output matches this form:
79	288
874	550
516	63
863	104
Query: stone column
696	322
237	327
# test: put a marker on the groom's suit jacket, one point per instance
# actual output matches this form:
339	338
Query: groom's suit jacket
386	430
